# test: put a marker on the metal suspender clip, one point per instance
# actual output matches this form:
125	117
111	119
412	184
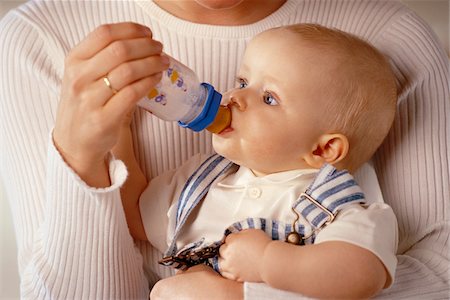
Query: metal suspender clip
299	239
323	208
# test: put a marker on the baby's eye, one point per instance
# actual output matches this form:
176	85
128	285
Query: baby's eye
241	83
269	99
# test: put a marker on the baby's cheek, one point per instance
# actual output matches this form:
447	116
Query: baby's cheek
225	147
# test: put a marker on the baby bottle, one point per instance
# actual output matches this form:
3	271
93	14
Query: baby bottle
180	97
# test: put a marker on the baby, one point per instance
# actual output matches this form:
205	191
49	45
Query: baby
310	103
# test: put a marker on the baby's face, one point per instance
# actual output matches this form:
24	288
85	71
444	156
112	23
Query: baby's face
276	106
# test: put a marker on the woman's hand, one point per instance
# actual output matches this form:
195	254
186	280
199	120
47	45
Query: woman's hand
90	113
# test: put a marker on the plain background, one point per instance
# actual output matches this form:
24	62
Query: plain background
435	12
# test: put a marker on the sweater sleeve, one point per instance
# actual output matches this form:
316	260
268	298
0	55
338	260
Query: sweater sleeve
73	240
83	239
413	164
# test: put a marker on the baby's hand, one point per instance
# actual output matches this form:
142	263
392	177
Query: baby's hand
241	254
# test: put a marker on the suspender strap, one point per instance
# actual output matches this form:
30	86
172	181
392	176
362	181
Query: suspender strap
195	189
330	192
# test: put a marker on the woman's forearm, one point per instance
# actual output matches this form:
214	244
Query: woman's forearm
134	185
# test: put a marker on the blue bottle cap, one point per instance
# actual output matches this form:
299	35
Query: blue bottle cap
209	111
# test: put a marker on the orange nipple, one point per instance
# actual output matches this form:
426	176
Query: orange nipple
222	120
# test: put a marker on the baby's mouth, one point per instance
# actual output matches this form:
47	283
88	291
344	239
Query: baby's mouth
228	113
222	122
228	129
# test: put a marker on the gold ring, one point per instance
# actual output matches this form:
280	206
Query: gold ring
108	84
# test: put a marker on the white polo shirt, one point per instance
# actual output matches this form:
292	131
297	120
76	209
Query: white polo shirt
241	194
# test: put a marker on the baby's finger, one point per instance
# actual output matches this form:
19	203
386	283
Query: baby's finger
228	275
223	250
220	265
105	34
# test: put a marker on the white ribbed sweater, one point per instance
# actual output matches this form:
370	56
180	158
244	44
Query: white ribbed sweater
73	240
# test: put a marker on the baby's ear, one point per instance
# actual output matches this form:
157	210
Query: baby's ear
330	148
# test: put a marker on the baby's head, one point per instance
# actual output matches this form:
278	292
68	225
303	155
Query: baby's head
308	95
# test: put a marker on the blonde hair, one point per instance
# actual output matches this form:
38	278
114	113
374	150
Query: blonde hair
359	87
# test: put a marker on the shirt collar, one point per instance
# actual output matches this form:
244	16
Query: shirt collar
244	177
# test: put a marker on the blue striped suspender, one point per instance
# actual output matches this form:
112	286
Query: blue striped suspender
195	190
330	191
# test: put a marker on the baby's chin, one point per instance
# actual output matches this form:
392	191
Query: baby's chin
225	154
218	146
222	150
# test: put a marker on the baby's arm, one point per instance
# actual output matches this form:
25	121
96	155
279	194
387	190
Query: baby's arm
199	282
134	185
329	269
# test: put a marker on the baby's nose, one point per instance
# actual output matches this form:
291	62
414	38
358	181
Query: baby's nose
226	98
239	102
234	98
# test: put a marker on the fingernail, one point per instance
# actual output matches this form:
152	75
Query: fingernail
147	31
165	60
